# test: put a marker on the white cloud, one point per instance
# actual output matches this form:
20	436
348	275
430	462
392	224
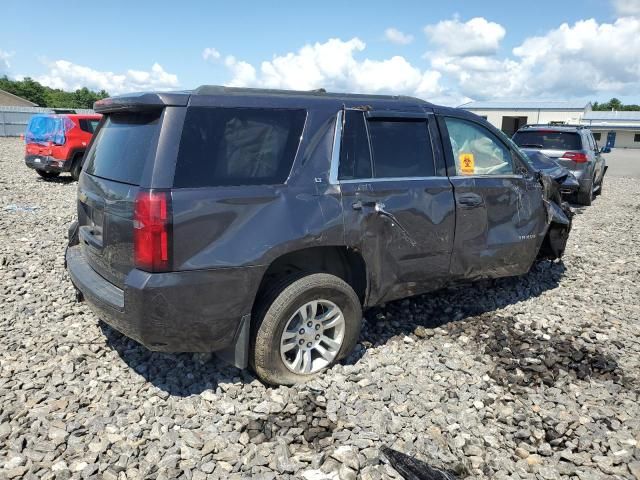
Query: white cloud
210	54
70	76
396	36
476	37
243	73
4	61
581	60
584	59
334	65
627	8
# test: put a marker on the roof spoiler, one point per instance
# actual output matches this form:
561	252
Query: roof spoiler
137	102
554	124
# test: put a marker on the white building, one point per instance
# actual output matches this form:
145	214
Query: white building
615	129
509	116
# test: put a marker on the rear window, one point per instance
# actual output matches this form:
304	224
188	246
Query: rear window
121	147
548	140
237	146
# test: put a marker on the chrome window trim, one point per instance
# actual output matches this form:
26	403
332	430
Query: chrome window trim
389	179
335	151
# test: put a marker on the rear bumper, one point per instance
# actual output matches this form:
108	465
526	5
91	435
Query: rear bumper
197	311
47	163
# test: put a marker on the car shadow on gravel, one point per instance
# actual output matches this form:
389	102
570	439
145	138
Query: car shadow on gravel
420	315
177	374
539	354
60	180
190	374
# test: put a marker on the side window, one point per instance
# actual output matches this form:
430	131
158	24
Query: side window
401	148
355	158
591	146
476	151
597	136
237	146
88	126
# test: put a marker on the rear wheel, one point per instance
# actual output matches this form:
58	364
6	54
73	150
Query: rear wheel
305	328
48	175
600	186
585	197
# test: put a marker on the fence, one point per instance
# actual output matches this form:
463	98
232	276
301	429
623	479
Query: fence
13	120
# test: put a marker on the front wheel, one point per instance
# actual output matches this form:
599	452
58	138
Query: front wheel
48	175
305	328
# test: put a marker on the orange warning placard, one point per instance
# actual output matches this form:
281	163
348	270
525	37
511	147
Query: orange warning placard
467	163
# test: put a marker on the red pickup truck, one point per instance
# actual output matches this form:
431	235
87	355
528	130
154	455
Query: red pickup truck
56	143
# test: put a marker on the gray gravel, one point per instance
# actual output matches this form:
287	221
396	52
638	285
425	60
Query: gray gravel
535	377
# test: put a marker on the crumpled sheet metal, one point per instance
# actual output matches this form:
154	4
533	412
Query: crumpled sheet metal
559	219
556	214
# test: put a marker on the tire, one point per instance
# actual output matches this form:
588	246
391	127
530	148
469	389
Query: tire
585	197
600	185
48	175
281	308
76	169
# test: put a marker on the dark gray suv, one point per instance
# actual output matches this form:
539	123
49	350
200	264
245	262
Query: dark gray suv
258	224
573	147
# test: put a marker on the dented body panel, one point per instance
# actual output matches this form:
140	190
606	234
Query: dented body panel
404	230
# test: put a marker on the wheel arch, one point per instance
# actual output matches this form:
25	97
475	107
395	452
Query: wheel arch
343	262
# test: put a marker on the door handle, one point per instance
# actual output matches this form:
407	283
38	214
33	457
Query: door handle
469	200
359	205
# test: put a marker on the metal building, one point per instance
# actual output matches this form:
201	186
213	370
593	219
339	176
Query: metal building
615	129
509	116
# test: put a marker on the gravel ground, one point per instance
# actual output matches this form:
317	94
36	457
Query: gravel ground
534	377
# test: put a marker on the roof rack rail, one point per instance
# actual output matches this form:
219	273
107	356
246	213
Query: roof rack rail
561	125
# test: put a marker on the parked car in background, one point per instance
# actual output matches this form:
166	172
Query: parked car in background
574	148
567	182
57	143
258	224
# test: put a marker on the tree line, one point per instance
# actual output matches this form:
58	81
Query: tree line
49	97
614	104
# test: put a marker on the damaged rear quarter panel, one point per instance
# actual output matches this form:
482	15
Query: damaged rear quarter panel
231	227
218	227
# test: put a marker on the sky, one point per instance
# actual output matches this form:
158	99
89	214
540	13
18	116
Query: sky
447	52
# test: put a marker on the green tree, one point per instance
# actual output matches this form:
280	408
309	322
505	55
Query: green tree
45	96
614	104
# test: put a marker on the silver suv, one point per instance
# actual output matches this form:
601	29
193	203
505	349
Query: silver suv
573	147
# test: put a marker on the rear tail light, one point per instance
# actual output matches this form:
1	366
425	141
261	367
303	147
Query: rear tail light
152	231
577	157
